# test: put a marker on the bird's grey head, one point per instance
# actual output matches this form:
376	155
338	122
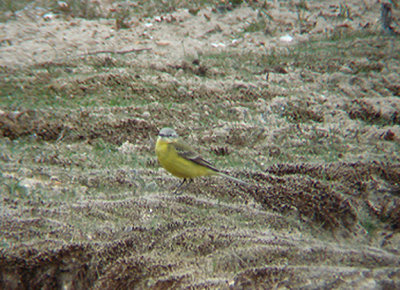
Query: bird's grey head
167	133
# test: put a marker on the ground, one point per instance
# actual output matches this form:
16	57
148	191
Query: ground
299	99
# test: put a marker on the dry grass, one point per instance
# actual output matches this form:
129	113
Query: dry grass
85	204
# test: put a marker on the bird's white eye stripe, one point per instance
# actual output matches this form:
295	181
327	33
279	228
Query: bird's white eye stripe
167	133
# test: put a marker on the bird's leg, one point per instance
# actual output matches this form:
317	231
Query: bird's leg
180	185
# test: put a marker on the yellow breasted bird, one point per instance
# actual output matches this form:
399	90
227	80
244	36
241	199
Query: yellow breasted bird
181	160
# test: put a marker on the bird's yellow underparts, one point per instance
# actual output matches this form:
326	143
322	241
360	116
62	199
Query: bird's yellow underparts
181	160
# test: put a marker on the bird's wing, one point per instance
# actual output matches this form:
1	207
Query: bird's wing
188	153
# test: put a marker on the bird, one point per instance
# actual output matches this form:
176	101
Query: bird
182	161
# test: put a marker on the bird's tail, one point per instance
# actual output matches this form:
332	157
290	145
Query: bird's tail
231	177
